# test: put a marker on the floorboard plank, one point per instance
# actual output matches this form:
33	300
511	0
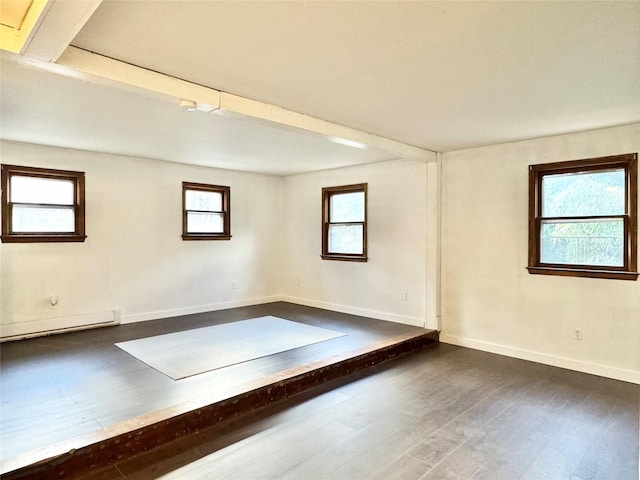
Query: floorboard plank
446	412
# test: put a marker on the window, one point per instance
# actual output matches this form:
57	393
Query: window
206	212
583	218
42	205
344	223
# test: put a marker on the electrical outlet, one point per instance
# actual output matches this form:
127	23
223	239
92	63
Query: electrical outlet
404	296
234	285
577	334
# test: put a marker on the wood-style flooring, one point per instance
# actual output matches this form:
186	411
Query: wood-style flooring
80	385
441	413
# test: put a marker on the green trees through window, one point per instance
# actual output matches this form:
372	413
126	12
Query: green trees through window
583	217
569	198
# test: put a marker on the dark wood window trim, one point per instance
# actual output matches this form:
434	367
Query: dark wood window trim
9	236
226	211
327	193
629	270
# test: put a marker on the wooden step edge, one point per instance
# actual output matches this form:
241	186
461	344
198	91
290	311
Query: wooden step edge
86	453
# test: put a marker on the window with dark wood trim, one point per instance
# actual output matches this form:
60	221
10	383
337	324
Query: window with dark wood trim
206	212
42	205
344	223
583	218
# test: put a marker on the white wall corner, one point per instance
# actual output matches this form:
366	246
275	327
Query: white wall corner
363	312
433	246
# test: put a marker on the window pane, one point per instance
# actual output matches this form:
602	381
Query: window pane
347	207
199	200
584	194
205	222
27	219
583	243
345	239
41	190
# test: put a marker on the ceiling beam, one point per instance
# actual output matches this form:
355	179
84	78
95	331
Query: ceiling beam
101	69
239	106
61	23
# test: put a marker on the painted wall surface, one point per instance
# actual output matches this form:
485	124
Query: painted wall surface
397	212
134	257
491	302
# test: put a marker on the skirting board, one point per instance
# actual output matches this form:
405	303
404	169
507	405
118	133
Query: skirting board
391	317
24	329
176	312
36	328
553	360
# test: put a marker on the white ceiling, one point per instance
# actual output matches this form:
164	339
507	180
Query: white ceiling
45	108
438	75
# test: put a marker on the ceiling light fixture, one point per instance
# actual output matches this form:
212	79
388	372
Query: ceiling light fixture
188	105
347	142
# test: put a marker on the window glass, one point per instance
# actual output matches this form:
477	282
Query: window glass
346	239
344	223
42	205
583	218
206	211
41	190
583	243
32	219
198	222
199	200
582	194
347	207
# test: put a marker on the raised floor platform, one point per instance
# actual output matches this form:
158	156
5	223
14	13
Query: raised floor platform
74	403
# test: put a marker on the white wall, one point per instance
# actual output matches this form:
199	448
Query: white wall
397	212
134	257
135	260
491	302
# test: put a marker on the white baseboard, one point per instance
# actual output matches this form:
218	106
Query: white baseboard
46	326
553	360
391	317
176	312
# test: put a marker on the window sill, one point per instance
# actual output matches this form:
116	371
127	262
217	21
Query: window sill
345	258
42	238
206	237
583	272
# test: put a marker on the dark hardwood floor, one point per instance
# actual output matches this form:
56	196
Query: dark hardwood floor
71	385
442	413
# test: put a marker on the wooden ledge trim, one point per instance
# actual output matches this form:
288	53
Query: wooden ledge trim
90	452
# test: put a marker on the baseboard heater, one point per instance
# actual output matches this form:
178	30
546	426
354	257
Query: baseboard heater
51	326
